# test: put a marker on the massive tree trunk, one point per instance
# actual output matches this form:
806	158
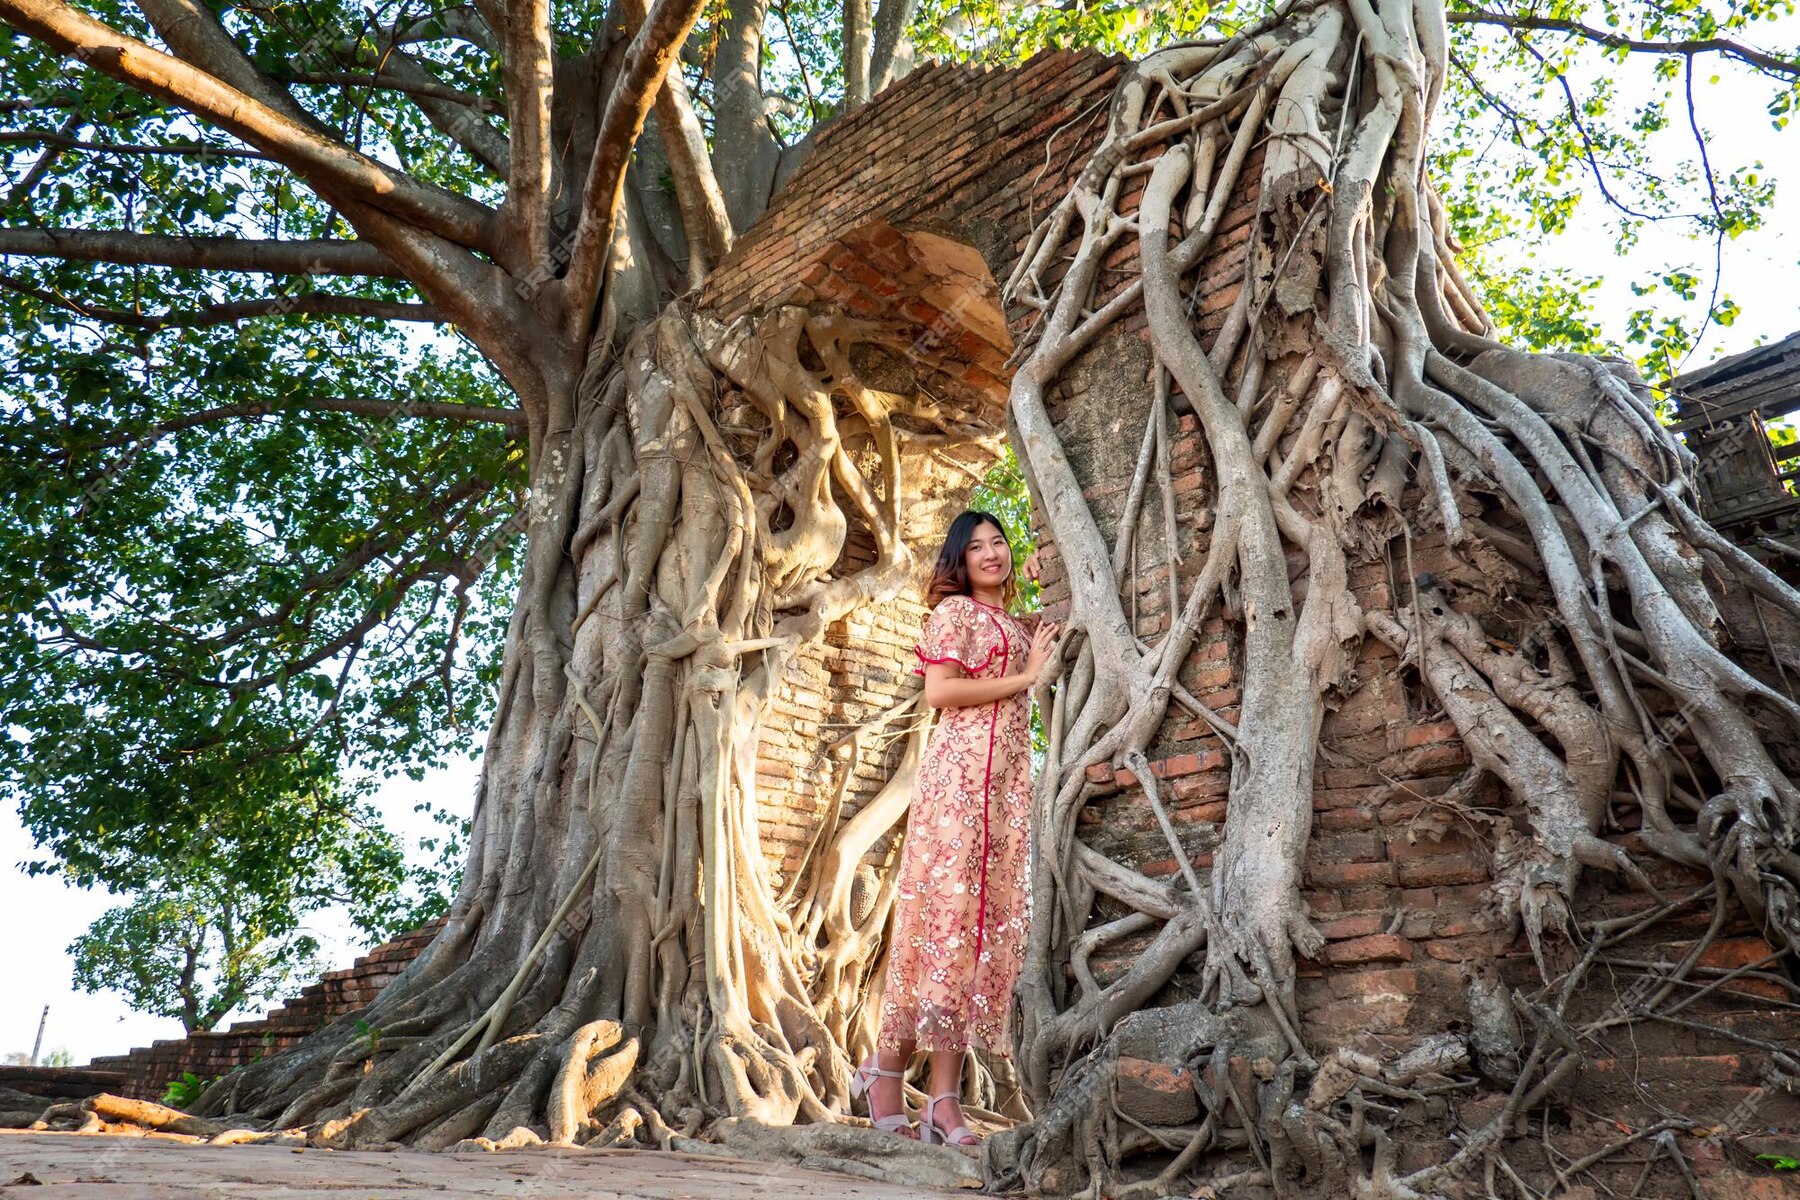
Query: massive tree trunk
726	495
715	496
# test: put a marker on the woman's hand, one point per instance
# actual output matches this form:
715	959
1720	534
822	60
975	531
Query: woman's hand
1031	568
1043	648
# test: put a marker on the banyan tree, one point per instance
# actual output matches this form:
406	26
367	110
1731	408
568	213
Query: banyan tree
730	489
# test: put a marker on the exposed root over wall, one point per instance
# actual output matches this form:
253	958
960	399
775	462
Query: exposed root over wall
1355	364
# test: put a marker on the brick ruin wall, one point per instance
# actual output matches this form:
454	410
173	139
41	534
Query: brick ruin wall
958	157
900	215
977	156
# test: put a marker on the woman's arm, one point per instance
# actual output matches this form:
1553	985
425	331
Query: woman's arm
947	687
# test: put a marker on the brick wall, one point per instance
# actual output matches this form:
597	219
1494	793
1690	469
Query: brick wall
144	1073
905	214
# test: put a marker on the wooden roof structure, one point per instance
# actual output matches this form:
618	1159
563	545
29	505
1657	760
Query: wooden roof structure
1748	486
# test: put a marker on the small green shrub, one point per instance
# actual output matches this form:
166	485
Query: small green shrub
184	1091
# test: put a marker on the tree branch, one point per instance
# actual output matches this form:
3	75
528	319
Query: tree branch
463	24
387	81
530	72
192	32
308	304
479	297
1587	143
460	123
1613	41
337	171
891	20
702	204
22	190
62	141
745	155
856	53
387	410
321	256
652	55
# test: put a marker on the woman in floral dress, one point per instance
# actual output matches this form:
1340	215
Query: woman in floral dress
960	923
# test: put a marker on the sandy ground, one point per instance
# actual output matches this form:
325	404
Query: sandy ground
66	1166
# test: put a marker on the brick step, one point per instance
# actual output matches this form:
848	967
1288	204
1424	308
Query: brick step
145	1072
59	1083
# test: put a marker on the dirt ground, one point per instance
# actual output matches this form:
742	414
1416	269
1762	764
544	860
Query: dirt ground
64	1166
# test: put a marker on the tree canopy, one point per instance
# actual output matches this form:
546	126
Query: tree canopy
288	292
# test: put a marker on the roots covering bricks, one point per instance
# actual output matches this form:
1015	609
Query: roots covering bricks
1356	360
623	967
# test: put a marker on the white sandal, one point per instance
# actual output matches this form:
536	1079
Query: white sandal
930	1131
861	1084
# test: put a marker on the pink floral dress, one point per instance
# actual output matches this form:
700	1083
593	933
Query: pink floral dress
963	911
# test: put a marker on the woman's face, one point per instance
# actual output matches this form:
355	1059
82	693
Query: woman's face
988	559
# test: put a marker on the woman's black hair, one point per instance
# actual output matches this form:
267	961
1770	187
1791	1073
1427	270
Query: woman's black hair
950	576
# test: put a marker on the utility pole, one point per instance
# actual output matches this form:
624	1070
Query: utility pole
39	1044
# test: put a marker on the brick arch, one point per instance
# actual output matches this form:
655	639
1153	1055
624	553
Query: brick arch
931	283
974	155
944	342
907	212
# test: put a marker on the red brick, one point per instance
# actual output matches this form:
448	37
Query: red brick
1429	872
1155	1093
1401	847
1463	949
1350	874
1333	819
1376	984
1360	925
1428	760
1378	947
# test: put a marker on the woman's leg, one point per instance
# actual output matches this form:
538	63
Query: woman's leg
886	1096
946	1079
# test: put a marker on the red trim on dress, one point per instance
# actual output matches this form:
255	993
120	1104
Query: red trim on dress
967	669
987	787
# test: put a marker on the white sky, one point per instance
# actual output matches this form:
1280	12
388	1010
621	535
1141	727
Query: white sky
45	915
1762	272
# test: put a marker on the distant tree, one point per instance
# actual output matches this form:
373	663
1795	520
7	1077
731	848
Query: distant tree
59	1057
201	937
190	955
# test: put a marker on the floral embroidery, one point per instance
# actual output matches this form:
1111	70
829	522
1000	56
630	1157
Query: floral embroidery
963	912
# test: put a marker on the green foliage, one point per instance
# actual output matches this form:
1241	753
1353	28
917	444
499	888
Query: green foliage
1546	138
209	620
1004	494
184	1091
1779	1162
196	950
1541	135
